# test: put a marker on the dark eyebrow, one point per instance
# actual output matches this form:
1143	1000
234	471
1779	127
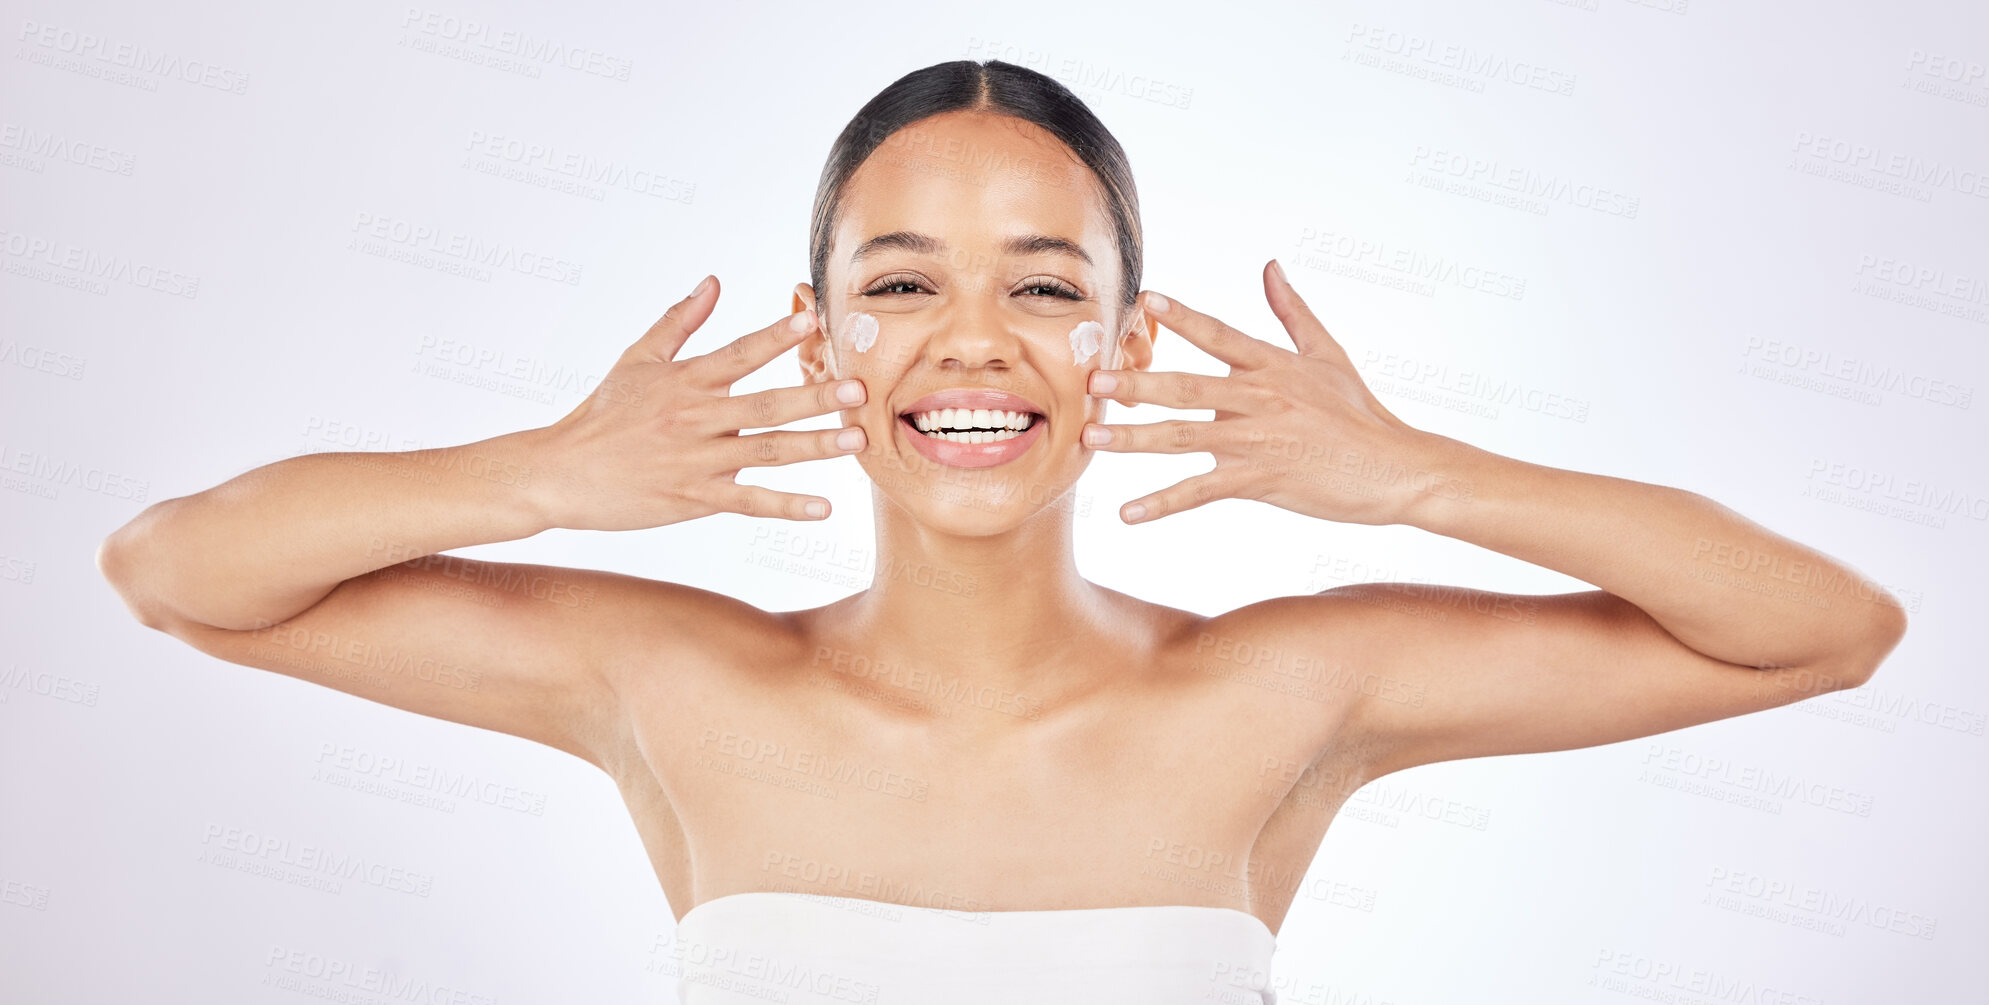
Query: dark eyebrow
907	240
1036	244
925	244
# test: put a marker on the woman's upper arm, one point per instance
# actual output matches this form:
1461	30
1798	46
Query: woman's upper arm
1449	672
516	648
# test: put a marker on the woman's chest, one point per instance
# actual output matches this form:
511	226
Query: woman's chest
1140	795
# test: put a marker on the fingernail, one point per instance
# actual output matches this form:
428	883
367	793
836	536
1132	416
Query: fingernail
1157	303
801	321
851	438
1097	436
1134	512
1279	268
1103	383
703	284
816	508
849	392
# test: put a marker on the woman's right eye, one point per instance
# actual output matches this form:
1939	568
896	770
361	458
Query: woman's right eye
894	285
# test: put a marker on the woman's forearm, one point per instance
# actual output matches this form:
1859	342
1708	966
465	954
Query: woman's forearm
1718	582
269	543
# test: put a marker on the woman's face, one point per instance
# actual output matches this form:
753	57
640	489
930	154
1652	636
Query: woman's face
981	250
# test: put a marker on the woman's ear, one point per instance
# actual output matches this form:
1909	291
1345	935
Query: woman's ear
1136	345
816	366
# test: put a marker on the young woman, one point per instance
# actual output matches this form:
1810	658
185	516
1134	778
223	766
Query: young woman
1104	796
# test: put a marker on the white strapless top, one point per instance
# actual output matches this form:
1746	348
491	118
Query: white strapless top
772	946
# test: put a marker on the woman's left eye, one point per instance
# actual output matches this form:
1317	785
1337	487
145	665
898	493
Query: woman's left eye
1053	289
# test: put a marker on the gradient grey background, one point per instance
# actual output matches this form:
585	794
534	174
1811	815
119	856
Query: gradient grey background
1734	248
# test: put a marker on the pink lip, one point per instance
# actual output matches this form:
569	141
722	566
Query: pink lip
968	397
972	455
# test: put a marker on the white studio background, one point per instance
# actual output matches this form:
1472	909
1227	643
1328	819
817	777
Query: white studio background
1736	248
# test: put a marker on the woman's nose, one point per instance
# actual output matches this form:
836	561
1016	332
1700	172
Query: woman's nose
974	335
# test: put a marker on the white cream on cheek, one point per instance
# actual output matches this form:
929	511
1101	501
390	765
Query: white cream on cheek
1085	340
860	330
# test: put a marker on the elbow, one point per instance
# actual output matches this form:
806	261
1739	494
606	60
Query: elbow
1887	630
118	565
111	560
118	553
114	562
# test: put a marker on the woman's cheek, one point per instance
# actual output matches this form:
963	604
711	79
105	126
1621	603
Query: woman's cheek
1085	341
849	341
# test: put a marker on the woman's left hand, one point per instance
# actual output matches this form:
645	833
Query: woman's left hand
1298	430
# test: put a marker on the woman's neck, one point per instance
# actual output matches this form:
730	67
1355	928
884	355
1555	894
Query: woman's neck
1005	611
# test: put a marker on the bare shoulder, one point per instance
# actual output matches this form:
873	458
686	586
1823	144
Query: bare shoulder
675	617
679	642
1281	667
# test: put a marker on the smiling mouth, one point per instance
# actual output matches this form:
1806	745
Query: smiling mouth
970	425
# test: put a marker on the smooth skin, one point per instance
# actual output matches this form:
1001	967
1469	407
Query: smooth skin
983	728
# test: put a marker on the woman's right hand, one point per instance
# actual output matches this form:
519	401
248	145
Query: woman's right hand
657	442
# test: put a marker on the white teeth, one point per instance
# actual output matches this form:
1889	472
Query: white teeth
976	436
972	425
